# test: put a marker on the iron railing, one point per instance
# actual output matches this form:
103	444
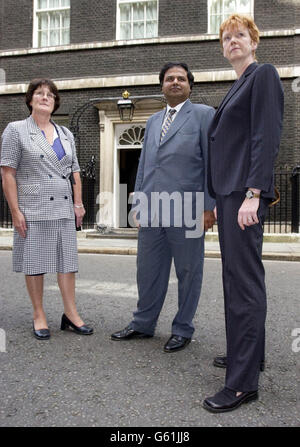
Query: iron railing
88	174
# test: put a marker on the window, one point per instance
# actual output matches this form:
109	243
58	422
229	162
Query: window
219	10
132	136
137	19
51	23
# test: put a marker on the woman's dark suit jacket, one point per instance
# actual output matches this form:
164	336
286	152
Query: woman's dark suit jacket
245	134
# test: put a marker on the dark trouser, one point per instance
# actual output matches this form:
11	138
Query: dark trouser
244	292
156	249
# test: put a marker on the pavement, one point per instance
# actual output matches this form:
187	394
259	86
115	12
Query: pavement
134	386
130	388
279	247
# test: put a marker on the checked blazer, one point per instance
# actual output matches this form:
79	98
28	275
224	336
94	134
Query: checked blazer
44	189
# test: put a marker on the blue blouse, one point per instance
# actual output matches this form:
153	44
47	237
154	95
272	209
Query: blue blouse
57	146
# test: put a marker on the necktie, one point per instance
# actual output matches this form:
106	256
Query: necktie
167	123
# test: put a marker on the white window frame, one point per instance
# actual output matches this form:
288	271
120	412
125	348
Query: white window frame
209	3
119	2
35	38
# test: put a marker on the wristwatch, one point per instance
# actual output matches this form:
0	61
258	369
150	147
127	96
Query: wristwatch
250	194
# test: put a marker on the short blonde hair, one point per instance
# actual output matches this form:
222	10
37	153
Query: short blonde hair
238	19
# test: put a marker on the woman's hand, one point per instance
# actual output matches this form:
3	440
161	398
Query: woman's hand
9	185
19	223
79	214
247	214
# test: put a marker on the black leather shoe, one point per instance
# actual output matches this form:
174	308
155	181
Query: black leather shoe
221	362
82	330
176	343
41	334
226	400
128	333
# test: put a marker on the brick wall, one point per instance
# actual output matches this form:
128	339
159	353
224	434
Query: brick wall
137	59
276	14
16	24
179	18
92	20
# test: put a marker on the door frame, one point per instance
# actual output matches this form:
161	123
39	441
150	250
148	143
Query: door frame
108	120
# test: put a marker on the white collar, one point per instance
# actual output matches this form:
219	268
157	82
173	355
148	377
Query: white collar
177	108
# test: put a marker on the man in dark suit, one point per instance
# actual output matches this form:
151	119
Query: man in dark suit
172	163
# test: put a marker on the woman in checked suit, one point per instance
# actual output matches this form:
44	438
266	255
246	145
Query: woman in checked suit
37	158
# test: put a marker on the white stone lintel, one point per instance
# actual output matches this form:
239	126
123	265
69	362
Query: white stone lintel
128	81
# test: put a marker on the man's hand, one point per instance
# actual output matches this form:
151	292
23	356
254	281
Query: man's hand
136	222
247	214
209	219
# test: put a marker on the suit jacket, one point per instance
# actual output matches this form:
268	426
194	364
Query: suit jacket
44	190
177	163
244	135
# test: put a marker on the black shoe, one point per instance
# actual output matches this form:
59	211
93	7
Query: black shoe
41	334
221	362
176	343
128	333
226	400
82	330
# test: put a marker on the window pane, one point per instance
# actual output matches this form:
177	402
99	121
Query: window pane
42	4
215	23
54	38
151	10
43	39
141	18
138	30
43	21
244	6
125	31
54	20
216	7
65	35
222	9
125	13
151	29
53	26
65	19
230	7
54	4
138	11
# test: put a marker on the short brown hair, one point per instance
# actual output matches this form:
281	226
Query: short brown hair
36	83
239	19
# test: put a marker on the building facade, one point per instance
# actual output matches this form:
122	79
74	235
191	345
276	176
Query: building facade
96	49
